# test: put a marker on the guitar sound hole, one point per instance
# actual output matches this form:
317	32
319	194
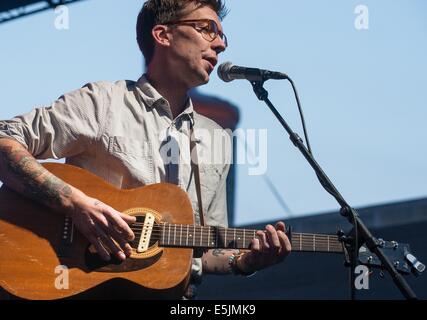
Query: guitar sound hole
94	261
137	228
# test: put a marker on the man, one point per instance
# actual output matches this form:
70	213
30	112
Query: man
120	131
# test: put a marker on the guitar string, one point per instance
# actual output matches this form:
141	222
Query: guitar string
213	236
311	242
206	241
297	248
238	234
296	244
307	247
157	227
237	237
171	225
295	241
199	238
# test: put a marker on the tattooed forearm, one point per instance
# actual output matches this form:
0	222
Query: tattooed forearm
34	180
50	191
217	261
218	252
20	163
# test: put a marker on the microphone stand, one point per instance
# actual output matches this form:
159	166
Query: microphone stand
373	244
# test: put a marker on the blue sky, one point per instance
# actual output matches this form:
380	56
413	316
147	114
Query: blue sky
363	92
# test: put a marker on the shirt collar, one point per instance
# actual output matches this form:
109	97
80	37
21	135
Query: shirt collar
153	99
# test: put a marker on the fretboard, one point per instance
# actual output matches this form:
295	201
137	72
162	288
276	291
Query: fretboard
193	236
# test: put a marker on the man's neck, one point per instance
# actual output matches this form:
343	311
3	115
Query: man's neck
173	92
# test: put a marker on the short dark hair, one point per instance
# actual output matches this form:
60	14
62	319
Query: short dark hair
156	12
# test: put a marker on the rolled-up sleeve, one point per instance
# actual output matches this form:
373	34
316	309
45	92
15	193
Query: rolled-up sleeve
63	129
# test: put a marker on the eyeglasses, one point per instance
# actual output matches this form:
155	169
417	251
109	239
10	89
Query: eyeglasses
208	29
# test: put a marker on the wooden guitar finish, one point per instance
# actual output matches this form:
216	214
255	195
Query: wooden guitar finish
43	257
32	245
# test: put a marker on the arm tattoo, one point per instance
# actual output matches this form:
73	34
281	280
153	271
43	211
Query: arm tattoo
218	252
20	164
221	252
220	264
50	191
37	183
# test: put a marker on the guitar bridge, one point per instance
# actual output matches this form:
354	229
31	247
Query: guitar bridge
147	229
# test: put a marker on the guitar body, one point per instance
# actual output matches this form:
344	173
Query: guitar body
33	251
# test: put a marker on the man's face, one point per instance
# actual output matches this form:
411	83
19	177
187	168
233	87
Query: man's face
192	56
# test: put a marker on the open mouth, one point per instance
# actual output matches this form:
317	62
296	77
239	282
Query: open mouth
212	61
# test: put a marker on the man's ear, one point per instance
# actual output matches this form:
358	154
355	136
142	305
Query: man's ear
161	35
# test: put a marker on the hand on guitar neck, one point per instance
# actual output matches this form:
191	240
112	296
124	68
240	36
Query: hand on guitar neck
268	248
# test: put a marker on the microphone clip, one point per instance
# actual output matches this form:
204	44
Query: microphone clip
259	90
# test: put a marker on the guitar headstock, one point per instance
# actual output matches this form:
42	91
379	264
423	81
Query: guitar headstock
399	255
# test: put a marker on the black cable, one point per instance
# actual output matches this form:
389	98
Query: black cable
305	130
330	191
306	133
301	114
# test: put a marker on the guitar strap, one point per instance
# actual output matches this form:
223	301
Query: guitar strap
195	168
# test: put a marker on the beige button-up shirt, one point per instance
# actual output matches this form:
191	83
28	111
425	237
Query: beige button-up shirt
125	133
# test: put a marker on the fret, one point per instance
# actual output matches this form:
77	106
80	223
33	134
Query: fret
320	243
164	232
233	238
209	236
216	237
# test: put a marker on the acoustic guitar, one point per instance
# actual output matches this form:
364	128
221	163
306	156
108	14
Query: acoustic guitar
43	257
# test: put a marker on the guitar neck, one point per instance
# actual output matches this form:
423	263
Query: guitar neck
194	236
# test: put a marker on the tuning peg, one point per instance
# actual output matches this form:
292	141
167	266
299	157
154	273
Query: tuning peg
395	244
417	265
340	233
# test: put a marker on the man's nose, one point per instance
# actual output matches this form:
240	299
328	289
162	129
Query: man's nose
218	45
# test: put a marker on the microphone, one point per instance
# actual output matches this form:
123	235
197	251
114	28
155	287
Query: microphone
228	72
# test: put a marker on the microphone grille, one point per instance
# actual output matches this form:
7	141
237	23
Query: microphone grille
223	71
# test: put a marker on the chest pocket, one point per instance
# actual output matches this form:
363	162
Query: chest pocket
137	158
210	176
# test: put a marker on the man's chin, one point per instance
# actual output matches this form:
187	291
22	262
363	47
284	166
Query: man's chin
206	80
207	75
203	79
200	77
